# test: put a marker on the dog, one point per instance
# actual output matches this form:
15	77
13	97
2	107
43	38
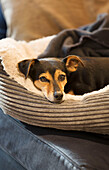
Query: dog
72	75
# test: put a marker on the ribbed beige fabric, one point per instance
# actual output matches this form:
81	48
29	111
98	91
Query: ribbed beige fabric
90	113
31	19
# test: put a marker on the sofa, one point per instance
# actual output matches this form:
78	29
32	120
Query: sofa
24	146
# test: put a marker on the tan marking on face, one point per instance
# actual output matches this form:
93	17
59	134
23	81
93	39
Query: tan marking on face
39	84
61	84
47	88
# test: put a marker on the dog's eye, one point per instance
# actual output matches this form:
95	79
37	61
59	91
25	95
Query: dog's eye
61	77
44	79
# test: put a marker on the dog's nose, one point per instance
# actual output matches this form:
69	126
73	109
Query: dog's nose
58	95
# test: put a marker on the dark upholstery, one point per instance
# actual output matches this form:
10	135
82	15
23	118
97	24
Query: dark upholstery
37	148
7	162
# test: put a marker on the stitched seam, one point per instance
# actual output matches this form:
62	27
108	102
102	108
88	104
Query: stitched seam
18	161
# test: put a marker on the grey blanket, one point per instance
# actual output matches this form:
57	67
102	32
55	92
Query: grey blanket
91	40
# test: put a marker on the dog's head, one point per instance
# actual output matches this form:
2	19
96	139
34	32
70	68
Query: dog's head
49	74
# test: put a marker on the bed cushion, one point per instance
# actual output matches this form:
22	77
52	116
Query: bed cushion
19	99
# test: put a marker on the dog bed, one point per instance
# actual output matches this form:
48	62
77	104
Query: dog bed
21	100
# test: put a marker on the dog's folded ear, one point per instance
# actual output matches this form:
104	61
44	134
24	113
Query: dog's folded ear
72	62
25	65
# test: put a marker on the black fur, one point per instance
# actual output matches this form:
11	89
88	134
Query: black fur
93	76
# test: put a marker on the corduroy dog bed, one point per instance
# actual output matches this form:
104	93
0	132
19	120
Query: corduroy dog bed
22	101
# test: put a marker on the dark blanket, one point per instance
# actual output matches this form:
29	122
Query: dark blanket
91	40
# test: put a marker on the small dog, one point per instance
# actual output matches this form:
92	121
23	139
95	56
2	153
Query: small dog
72	75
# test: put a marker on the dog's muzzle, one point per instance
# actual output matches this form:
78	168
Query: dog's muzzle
58	96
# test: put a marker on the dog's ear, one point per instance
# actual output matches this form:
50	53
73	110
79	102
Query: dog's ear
25	65
72	62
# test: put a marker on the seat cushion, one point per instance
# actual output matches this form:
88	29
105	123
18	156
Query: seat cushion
44	148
